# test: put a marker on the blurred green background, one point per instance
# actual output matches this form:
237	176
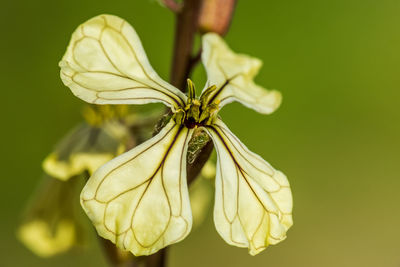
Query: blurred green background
336	136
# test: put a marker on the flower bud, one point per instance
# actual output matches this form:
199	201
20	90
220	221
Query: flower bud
216	16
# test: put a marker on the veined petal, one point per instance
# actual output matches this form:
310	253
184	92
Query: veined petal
105	64
233	75
140	200
253	201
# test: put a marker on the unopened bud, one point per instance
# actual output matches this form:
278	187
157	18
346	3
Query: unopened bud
216	16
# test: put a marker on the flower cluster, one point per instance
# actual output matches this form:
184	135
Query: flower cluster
51	223
139	200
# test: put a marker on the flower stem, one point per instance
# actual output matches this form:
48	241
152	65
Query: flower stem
185	31
158	259
182	64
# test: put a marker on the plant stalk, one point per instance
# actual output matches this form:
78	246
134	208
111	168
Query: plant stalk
182	64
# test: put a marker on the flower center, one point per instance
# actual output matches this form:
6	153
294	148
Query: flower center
197	115
198	112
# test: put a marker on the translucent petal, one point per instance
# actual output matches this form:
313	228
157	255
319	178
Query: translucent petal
233	75
105	64
51	223
85	148
76	164
253	201
140	200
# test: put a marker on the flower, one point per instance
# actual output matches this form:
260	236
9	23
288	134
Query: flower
39	237
139	200
90	144
51	223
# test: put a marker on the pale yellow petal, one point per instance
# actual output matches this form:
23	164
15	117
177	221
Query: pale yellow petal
208	171
51	223
233	76
90	162
201	194
140	200
253	201
44	241
57	168
85	148
105	63
77	164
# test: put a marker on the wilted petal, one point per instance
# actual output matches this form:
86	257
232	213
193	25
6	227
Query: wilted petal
233	75
253	201
140	200
51	223
85	148
76	164
105	64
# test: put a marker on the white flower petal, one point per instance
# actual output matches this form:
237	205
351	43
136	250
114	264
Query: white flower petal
233	75
105	64
140	200
253	201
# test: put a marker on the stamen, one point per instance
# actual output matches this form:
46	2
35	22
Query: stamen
198	112
191	91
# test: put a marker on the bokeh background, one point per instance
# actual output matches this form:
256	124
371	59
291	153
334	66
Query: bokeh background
336	136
